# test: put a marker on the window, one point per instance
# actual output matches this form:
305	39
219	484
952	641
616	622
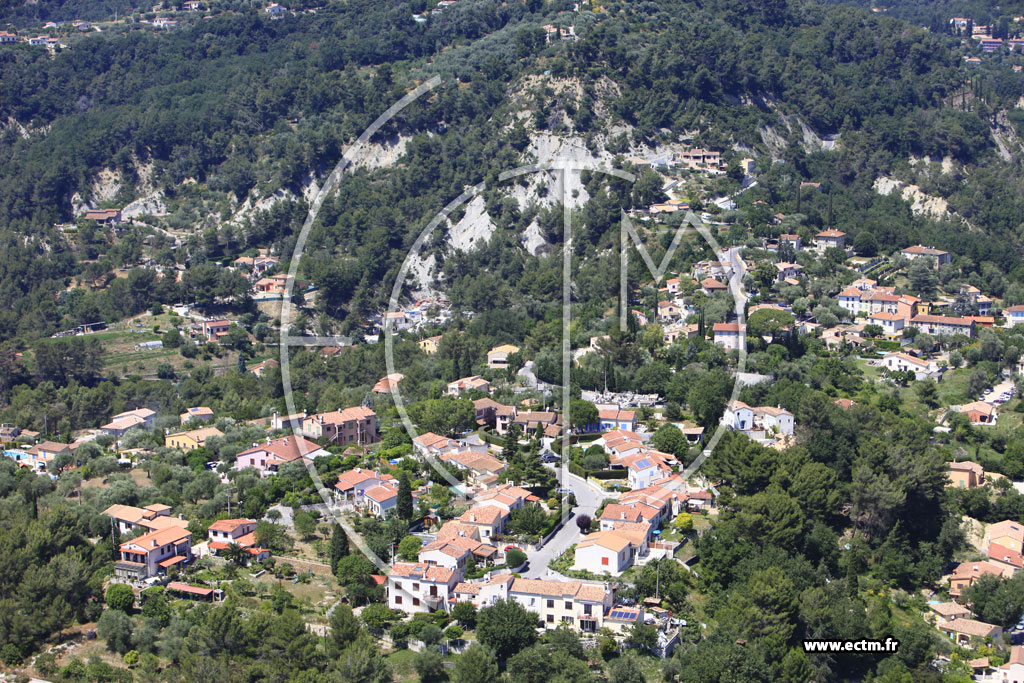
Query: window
415	587
415	602
551	618
587	609
604	561
566	620
568	604
551	604
398	599
398	586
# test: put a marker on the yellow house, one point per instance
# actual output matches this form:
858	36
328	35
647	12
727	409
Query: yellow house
429	345
966	475
1007	533
922	308
497	358
190	440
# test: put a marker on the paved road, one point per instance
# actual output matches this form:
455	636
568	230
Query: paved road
587	502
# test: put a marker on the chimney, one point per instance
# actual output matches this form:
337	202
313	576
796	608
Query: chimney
153	541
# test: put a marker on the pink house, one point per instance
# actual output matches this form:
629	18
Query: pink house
267	458
356	425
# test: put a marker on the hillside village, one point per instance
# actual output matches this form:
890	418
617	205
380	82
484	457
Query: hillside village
241	454
568	554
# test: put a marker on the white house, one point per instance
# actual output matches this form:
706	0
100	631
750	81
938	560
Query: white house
381	499
788	270
1013	670
901	362
611	417
739	416
604	552
576	604
467	383
140	418
730	335
892	324
774	419
943	325
643	470
758	422
444	554
830	239
1014	315
418	587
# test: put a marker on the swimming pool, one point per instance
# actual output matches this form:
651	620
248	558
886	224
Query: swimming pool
17	455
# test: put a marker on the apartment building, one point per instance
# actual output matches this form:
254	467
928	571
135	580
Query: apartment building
356	425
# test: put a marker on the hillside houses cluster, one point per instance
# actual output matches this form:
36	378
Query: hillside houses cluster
981	35
1002	544
166	546
768	425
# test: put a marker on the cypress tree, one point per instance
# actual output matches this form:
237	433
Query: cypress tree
404	497
339	546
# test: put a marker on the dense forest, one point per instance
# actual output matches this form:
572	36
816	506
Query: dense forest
244	107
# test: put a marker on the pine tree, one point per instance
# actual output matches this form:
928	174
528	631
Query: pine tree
241	362
405	509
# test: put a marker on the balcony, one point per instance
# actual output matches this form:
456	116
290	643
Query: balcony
433	600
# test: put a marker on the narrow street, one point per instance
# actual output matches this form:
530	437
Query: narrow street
587	502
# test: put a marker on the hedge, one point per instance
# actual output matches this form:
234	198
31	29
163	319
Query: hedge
577	470
610	474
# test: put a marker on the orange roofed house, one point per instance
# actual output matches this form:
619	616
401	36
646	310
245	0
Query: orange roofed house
963	631
730	335
979	412
612	417
1007	533
387	383
936	256
475	382
155	553
153	517
354	483
830	239
966	573
103	216
577	604
242	532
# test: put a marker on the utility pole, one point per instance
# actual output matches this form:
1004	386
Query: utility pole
657	583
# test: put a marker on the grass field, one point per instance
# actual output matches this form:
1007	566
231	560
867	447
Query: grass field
122	358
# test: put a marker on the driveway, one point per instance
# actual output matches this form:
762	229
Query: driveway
288	517
587	502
